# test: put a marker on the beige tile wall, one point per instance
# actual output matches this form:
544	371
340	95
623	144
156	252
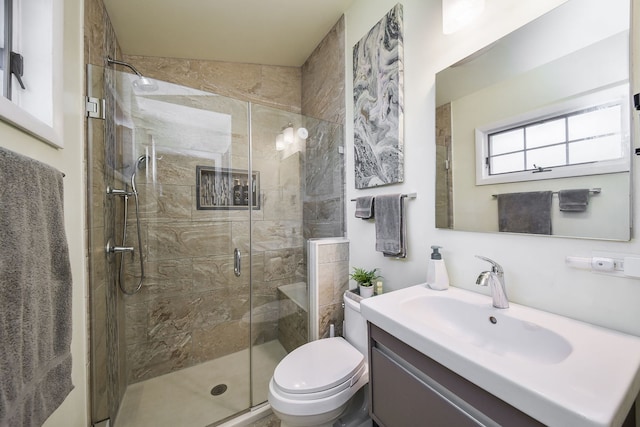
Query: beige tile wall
269	85
192	308
444	187
107	350
323	78
324	196
323	98
293	330
333	268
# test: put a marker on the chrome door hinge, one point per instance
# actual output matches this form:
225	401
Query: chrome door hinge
95	107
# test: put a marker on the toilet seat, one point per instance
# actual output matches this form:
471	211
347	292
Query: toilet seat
317	378
330	364
318	395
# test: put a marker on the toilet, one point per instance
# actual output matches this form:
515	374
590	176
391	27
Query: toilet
322	382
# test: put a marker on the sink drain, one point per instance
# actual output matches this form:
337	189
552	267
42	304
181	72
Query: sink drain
218	390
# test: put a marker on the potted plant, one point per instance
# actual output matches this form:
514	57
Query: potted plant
365	280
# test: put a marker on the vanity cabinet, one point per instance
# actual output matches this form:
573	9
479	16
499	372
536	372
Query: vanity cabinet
409	389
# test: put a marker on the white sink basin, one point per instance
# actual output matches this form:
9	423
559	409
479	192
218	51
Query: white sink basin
489	329
560	371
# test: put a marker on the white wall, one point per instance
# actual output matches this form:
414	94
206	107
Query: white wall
534	265
73	411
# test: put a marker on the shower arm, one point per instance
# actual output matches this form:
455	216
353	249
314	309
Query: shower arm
112	61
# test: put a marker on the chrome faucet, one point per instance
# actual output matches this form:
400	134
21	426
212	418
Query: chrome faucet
495	279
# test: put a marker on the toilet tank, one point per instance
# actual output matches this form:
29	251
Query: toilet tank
355	326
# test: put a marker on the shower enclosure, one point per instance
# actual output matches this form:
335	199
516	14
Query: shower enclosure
223	218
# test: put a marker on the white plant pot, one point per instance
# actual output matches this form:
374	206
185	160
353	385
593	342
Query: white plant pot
365	291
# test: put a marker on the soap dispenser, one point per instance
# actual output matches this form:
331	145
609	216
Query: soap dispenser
437	277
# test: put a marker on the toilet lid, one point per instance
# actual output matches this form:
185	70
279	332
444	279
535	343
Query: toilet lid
317	366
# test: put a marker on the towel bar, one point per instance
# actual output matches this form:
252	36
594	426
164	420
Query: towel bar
404	196
593	191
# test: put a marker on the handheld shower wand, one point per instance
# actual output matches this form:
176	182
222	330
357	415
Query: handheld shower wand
140	164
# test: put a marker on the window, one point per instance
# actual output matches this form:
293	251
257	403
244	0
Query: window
31	67
559	142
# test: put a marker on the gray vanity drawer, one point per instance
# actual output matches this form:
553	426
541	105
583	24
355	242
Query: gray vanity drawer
410	389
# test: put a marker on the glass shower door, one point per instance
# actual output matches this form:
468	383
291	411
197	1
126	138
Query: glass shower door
192	323
186	331
301	196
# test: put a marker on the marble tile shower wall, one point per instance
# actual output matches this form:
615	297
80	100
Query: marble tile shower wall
444	189
192	308
107	349
333	281
324	184
324	197
323	98
332	266
293	321
274	86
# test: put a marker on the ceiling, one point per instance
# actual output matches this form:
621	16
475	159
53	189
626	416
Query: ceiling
271	32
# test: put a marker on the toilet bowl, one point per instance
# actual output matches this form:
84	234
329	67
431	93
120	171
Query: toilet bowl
315	384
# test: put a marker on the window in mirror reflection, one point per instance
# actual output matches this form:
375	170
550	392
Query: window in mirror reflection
585	136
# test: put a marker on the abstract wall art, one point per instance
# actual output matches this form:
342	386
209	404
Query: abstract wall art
378	73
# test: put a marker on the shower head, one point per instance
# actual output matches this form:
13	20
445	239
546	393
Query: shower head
143	83
142	161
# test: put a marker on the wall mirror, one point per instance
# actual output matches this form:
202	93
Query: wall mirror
533	132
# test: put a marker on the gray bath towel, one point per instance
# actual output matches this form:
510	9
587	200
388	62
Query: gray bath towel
525	212
364	207
35	292
573	200
390	225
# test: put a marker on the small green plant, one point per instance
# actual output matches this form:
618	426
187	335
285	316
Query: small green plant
364	277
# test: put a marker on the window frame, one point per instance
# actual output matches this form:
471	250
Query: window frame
51	130
618	94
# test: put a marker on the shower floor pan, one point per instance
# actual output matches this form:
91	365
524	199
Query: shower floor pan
184	398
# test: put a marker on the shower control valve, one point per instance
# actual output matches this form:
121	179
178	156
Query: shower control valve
118	192
112	249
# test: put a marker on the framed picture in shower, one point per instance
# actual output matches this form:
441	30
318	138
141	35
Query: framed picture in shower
224	189
378	81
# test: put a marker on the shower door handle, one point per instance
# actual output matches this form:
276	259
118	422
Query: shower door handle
236	262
